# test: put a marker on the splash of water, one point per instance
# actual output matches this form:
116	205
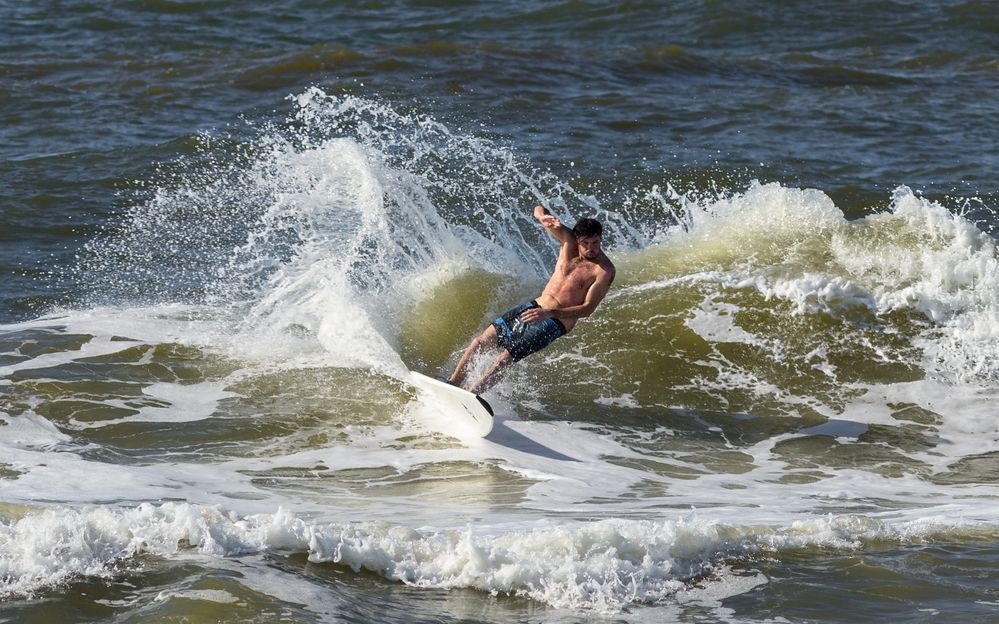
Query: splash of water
324	222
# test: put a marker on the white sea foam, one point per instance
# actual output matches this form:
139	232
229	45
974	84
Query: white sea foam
568	462
349	235
90	348
205	595
714	322
182	403
794	245
594	566
32	431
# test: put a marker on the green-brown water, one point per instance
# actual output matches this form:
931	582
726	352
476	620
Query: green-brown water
226	232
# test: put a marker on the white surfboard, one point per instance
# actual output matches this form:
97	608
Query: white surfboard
476	416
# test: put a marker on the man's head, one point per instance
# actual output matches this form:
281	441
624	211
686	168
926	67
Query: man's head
588	234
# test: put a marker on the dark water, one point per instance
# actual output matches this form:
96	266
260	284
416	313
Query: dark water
782	413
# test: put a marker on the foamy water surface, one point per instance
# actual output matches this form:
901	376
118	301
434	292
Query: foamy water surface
783	411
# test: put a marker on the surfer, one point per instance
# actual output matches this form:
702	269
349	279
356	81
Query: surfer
582	276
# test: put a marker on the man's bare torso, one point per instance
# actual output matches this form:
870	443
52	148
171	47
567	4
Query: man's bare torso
582	277
571	279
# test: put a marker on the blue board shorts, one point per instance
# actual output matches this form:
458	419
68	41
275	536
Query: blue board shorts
522	339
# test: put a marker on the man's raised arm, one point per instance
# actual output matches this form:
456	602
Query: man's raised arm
554	227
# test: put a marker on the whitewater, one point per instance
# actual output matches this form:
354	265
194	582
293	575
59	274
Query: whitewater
766	380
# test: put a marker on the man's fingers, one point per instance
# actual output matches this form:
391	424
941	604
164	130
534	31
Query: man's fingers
532	315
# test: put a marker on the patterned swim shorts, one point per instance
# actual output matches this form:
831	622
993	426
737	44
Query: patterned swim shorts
522	339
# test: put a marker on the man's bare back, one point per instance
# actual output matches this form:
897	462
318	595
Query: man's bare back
579	282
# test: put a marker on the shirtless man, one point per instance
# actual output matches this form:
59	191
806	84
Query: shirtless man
581	278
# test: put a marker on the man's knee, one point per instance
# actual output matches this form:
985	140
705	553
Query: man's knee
487	339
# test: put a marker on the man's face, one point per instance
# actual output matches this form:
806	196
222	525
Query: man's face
589	247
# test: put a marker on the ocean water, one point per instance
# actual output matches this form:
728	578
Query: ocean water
227	232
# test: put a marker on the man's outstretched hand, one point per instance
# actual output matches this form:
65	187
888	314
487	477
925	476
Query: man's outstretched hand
548	220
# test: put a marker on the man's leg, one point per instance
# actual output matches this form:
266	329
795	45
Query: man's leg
494	374
486	340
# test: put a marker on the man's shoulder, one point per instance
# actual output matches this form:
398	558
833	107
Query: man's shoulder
607	265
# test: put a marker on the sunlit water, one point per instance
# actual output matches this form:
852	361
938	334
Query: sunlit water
783	411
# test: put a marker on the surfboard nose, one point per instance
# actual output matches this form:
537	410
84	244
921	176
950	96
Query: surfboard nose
485	404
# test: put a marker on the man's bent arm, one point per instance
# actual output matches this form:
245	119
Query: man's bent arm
593	298
553	226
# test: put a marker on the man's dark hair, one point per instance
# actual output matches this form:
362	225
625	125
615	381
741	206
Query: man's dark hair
585	228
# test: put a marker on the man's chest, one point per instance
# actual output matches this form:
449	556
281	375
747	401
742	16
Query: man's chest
576	274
